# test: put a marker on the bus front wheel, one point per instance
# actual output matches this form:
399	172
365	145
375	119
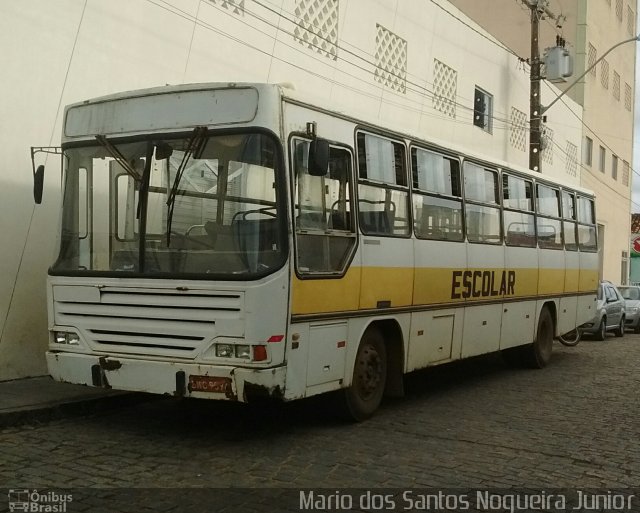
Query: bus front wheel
364	395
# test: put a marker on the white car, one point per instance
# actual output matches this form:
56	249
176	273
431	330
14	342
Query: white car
631	297
610	313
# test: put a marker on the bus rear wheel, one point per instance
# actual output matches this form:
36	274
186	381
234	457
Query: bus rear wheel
364	395
538	354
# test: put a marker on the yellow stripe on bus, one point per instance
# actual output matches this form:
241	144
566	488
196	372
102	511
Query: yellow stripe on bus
375	287
326	295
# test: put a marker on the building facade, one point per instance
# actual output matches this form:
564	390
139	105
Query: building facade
591	28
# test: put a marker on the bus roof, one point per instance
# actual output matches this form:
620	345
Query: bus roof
289	93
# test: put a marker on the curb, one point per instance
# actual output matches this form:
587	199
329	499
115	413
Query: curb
73	408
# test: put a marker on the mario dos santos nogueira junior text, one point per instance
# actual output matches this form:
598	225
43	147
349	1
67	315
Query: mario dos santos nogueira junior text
407	500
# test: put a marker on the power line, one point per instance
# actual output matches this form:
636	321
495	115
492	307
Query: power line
583	168
592	131
418	89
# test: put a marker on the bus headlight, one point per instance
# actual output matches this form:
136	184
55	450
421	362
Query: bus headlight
224	350
65	337
236	353
243	351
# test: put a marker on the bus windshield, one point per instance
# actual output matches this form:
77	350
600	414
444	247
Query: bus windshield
203	205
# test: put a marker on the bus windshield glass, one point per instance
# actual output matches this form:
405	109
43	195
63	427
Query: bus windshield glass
203	206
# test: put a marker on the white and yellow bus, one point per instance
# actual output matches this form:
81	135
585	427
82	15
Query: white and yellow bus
233	241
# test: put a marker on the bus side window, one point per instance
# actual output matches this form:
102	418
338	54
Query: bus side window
587	235
437	196
482	208
569	225
549	224
383	189
518	218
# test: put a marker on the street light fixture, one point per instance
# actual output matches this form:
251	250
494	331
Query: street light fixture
545	109
536	108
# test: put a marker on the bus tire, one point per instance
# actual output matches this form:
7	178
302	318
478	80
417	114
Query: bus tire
364	395
601	334
538	354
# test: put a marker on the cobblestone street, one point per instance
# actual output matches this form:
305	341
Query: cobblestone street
472	424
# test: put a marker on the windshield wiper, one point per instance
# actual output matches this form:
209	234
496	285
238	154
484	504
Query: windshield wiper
119	157
143	202
195	146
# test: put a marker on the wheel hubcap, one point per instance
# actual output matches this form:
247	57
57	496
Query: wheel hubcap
369	372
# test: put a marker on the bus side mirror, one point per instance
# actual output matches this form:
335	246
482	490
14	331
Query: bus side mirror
318	157
38	184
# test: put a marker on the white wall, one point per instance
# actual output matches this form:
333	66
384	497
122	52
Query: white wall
54	53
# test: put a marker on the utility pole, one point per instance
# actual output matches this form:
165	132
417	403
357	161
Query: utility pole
538	10
535	133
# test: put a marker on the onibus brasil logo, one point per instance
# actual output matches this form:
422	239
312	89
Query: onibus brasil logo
22	499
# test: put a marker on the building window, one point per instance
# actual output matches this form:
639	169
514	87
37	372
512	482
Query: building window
588	151
482	110
602	160
604	73
625	173
317	26
631	21
391	59
627	96
518	132
616	86
572	159
593	54
445	88
614	167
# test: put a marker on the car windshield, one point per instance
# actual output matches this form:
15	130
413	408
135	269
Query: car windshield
630	293
202	205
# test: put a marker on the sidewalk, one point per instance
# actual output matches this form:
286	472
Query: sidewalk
41	399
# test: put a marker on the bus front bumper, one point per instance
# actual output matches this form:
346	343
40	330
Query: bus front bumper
180	379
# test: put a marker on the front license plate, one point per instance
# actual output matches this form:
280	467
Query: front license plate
211	384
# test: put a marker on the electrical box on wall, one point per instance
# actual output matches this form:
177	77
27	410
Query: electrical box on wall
558	63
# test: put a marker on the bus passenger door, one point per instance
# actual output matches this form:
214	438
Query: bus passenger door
483	310
487	283
325	234
519	315
521	274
